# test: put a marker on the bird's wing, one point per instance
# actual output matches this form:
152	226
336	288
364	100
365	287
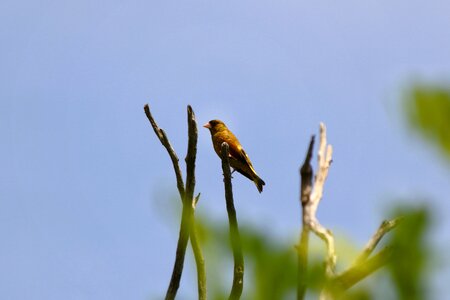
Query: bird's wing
236	150
243	158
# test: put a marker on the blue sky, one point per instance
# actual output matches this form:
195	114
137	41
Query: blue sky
87	193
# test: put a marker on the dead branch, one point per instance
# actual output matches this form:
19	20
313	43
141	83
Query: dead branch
161	134
384	228
310	205
356	273
191	156
189	202
310	197
238	274
306	175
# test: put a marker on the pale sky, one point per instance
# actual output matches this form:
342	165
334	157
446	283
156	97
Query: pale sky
87	193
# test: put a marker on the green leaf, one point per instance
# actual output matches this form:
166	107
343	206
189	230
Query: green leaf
428	111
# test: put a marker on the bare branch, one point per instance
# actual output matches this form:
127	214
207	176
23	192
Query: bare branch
384	228
323	164
363	265
160	133
238	274
192	202
183	238
197	198
358	272
199	261
191	155
187	228
324	158
310	196
327	236
306	174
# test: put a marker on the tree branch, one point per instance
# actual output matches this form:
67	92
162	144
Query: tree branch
238	274
183	238
191	156
384	228
363	265
310	197
199	262
356	273
324	158
161	134
306	174
192	202
186	195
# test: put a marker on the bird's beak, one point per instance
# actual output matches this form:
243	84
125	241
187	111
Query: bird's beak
207	125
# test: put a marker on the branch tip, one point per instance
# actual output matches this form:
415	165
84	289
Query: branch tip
196	199
385	227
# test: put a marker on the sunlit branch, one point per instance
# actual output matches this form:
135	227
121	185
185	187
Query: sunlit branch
356	273
187	228
384	228
238	273
310	195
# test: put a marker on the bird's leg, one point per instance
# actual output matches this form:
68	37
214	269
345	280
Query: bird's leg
234	170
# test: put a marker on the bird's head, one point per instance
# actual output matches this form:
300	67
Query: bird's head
215	126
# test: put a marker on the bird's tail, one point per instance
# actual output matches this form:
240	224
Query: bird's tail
259	183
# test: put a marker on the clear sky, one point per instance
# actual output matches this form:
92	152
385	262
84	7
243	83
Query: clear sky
87	193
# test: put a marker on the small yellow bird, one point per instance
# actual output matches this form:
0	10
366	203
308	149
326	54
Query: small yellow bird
239	160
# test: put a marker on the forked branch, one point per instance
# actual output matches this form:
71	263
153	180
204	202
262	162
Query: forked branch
310	197
384	228
311	194
189	202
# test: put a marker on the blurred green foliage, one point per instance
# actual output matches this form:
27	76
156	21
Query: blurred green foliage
410	254
428	111
271	266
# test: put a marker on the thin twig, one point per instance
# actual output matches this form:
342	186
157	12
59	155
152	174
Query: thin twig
187	227
306	174
355	274
384	228
161	134
238	274
363	265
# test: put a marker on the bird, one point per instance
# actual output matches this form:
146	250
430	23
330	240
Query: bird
239	159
